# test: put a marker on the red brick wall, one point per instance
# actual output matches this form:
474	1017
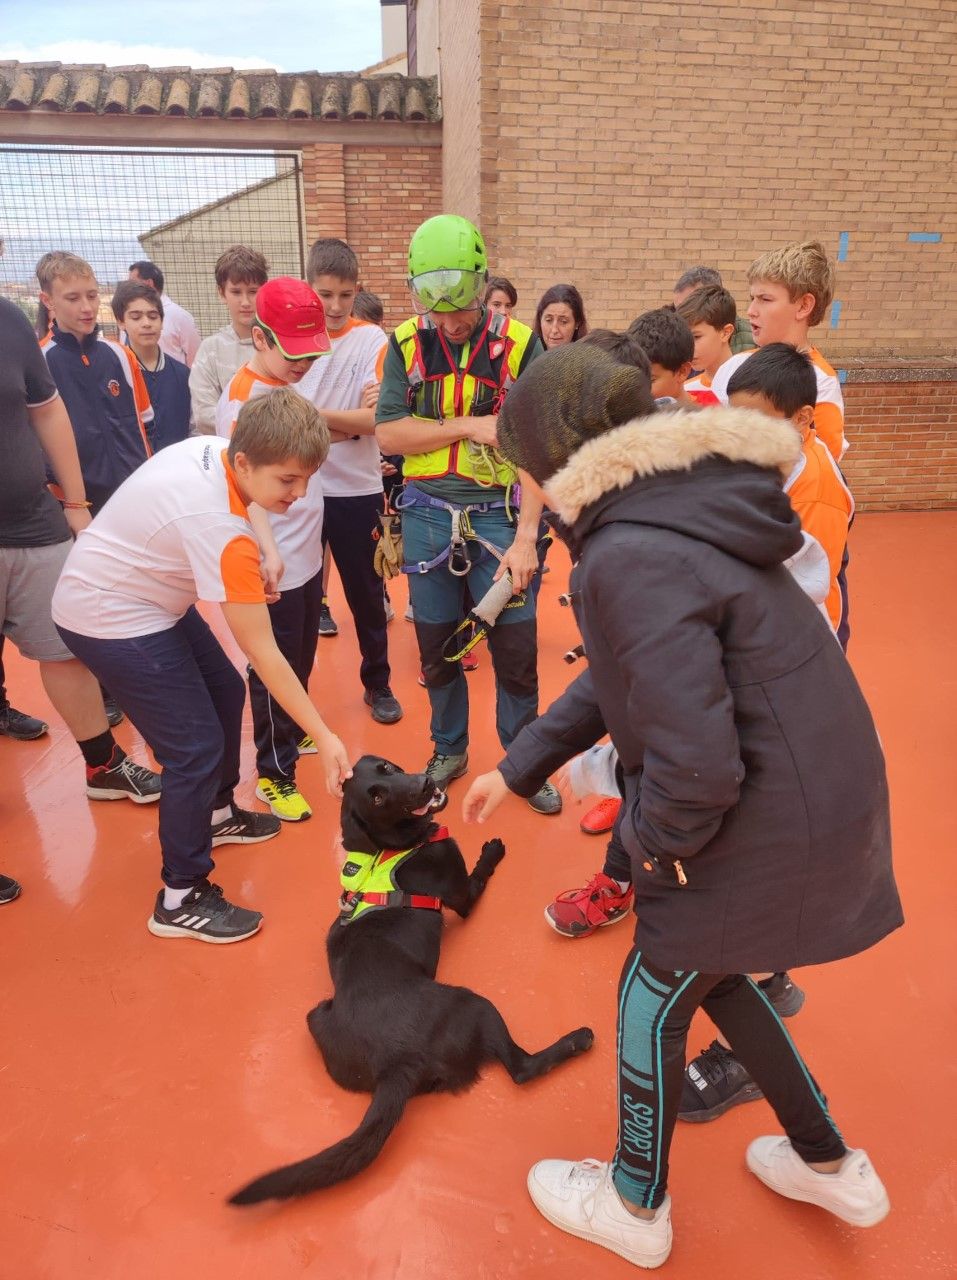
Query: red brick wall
903	454
323	187
388	192
374	198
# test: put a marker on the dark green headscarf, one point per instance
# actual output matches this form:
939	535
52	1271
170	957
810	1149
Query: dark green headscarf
563	399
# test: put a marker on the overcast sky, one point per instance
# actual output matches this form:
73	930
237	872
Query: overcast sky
309	35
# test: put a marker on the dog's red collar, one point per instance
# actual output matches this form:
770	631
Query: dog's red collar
440	833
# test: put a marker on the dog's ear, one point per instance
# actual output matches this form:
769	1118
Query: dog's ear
377	794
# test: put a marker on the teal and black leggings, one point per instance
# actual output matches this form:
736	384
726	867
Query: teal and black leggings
655	1007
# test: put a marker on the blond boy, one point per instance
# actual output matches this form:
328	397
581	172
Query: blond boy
99	380
791	289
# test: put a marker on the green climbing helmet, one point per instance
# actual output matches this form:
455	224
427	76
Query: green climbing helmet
448	265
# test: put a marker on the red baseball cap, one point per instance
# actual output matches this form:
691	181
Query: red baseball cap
293	314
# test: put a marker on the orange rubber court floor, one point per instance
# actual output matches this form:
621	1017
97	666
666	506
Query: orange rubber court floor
142	1080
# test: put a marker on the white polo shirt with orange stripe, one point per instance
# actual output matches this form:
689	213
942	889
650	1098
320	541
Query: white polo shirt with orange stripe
828	411
353	468
298	533
175	532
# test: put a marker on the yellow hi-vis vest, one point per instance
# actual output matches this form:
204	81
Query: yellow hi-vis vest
368	881
476	385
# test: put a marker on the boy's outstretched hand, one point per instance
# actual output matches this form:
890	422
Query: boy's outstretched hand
335	762
484	796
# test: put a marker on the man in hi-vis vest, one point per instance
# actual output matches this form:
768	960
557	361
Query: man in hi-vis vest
465	521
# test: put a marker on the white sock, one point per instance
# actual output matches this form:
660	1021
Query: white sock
220	815
173	898
623	885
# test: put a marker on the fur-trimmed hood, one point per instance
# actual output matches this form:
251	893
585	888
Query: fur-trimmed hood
714	474
670	442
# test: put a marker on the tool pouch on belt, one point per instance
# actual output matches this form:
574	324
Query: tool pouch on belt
388	550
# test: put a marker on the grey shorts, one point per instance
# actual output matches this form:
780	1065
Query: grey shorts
27	578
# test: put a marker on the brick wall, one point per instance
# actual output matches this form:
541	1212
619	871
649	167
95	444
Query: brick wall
903	433
621	142
466	121
373	197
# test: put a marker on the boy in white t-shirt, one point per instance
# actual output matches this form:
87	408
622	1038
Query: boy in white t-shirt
178	531
345	390
710	313
288	334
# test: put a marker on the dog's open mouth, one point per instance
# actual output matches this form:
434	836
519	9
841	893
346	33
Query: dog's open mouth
437	800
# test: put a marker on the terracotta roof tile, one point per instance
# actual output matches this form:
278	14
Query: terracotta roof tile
300	101
177	98
117	95
360	101
217	92
210	100
54	92
238	103
332	106
149	98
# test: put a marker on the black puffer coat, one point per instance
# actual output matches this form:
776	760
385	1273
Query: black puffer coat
748	751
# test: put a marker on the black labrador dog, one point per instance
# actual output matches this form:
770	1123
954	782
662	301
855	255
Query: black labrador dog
391	1030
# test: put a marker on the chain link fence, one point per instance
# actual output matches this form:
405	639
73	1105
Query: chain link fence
180	208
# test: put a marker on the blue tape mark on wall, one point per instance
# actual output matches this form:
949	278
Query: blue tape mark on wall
924	237
835	313
842	376
842	244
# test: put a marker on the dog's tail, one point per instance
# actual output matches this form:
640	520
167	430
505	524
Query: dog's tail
342	1160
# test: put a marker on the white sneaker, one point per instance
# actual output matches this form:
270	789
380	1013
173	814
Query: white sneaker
580	1198
855	1194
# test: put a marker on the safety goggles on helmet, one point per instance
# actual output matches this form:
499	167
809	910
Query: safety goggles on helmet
446	290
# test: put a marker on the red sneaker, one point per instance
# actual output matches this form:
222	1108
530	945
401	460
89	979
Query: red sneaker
601	818
579	912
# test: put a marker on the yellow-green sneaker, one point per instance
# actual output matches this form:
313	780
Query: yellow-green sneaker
284	799
307	746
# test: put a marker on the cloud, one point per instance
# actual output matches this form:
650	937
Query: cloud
115	54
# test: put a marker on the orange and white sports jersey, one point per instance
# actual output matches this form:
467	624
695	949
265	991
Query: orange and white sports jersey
352	468
298	533
173	533
828	411
700	382
824	504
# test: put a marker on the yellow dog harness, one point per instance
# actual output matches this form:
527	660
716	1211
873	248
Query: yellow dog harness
368	881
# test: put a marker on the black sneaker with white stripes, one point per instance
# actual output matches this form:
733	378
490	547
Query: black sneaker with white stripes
204	914
245	827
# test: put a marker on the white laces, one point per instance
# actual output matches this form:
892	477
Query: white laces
587	1175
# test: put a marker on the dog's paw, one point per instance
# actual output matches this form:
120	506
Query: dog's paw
582	1039
493	851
